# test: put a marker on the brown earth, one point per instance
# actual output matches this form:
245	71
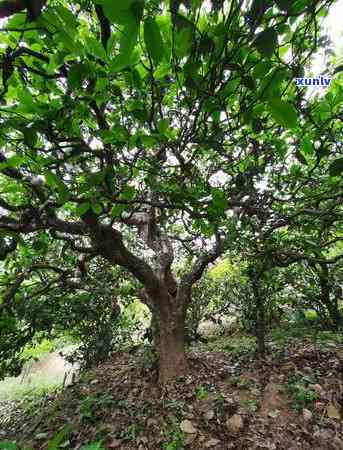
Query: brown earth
291	400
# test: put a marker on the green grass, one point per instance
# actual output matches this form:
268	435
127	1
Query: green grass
243	343
46	375
11	389
300	389
284	335
38	350
237	344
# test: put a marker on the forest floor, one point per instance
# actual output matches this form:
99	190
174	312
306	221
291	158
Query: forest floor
230	399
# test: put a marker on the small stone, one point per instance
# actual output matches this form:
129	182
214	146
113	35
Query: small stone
187	427
307	415
115	443
212	443
235	423
209	414
96	381
307	369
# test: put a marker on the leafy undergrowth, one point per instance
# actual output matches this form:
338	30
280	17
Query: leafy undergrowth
291	400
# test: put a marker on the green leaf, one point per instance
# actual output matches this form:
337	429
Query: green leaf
30	136
95	48
76	75
266	42
117	210
261	69
153	40
336	167
93	446
96	178
307	146
129	36
118	11
97	208
219	200
338	69
300	157
82	208
27	103
163	126
162	71
56	441
63	193
183	40
249	82
128	193
284	5
122	61
52	179
14	161
283	113
8	445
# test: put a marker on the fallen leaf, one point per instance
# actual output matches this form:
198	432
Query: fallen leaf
187	427
190	438
212	443
307	415
319	406
115	443
288	366
337	443
318	389
41	435
307	369
332	412
274	414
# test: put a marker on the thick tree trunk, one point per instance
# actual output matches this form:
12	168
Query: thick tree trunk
169	341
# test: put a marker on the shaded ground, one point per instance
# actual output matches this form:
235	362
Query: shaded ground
230	400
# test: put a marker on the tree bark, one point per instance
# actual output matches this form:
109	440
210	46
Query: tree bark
260	322
260	327
169	341
167	299
172	361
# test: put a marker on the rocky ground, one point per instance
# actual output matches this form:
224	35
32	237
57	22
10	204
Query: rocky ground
292	399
